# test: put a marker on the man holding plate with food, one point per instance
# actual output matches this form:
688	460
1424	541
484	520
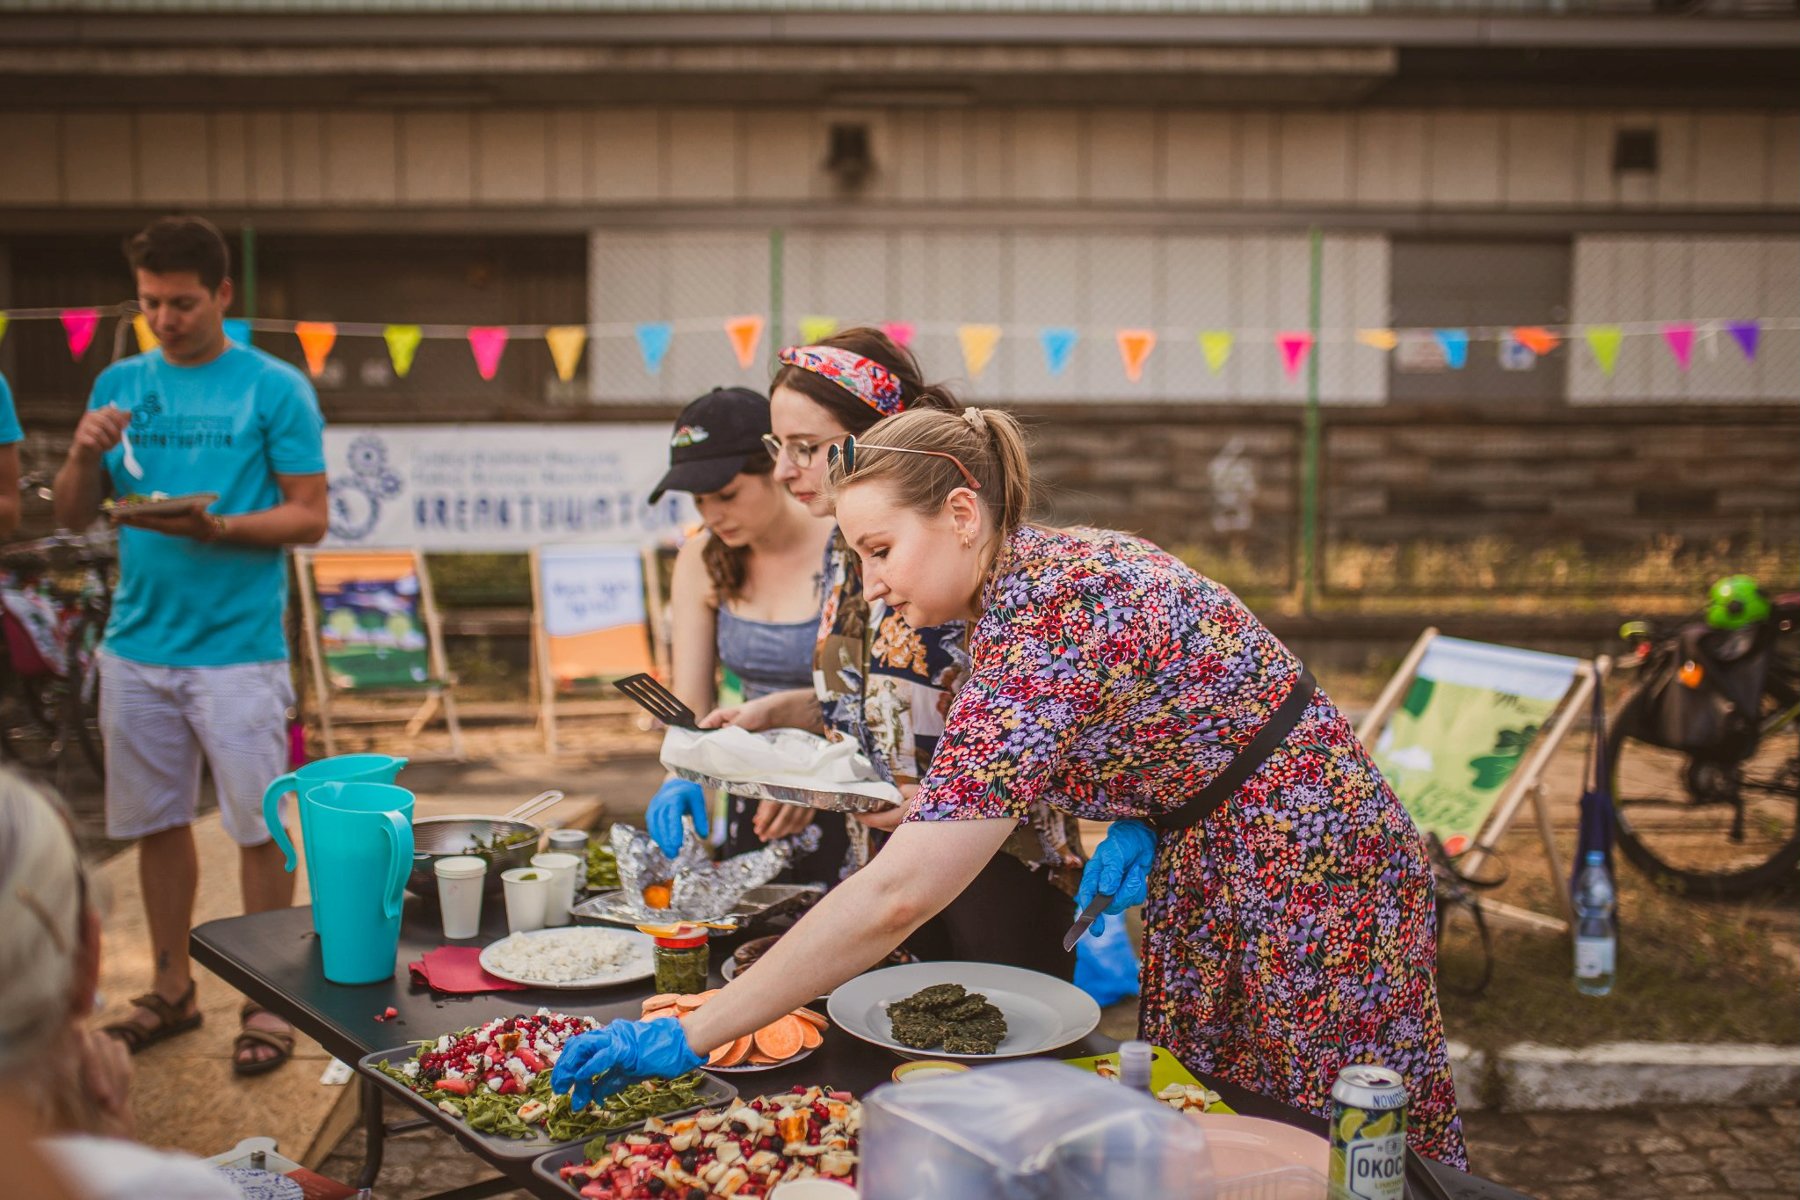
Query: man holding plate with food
194	664
1289	920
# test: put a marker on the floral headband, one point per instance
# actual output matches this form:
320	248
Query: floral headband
864	378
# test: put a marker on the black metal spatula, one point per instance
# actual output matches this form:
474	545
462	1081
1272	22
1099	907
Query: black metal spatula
658	701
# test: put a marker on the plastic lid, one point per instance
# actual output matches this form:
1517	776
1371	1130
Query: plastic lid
686	938
555	860
461	867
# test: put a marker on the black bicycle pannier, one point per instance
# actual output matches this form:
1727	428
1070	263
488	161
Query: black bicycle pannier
1704	697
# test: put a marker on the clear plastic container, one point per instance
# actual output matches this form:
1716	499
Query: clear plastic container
1028	1131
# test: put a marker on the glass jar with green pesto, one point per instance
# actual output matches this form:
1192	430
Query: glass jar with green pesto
681	961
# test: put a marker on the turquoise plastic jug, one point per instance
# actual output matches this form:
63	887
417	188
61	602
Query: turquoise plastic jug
359	850
345	768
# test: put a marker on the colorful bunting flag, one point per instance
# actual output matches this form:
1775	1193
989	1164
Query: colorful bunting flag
1746	333
1135	346
1378	339
653	339
566	343
402	343
1604	341
1535	338
814	330
1058	343
978	342
1456	346
487	343
900	331
316	341
238	330
1294	346
745	333
78	326
146	340
3	324
1215	344
1679	337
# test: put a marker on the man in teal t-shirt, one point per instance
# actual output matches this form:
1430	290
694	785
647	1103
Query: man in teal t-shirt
194	665
10	437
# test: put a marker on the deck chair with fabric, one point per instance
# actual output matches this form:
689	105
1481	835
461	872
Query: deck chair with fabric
592	621
372	628
1463	732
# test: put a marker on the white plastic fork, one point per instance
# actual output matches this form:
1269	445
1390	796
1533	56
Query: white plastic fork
132	465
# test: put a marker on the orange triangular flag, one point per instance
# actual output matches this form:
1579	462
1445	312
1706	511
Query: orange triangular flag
1378	339
316	340
1536	339
1134	347
978	342
745	333
146	340
566	343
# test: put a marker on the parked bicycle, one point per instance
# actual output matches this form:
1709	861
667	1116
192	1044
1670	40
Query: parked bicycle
55	598
1705	752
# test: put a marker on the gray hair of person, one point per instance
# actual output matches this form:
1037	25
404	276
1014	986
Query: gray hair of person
41	897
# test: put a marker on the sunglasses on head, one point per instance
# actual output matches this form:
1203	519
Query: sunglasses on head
845	456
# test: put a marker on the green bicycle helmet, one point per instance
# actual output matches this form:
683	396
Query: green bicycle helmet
1736	601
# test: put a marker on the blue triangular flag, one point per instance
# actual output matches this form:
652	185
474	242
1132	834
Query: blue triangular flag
1456	346
653	339
1058	344
238	330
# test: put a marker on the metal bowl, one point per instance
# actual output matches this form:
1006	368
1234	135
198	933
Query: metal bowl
449	837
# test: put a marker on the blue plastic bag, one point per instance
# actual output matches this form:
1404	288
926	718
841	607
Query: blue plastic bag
1106	965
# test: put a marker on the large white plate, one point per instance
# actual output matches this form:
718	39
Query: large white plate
162	507
1042	1012
638	966
748	1067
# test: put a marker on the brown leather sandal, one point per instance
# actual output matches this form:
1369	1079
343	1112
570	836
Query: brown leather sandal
281	1043
169	1020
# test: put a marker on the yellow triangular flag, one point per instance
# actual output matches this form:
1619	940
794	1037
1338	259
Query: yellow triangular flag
402	343
146	340
814	330
745	333
978	342
1216	345
1379	339
3	321
1604	341
316	340
566	344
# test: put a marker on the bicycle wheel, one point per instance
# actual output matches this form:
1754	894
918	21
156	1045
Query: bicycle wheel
30	707
1678	816
84	712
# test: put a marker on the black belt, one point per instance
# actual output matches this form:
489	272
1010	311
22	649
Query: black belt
1244	764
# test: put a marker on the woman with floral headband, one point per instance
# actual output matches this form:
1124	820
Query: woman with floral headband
887	684
1289	928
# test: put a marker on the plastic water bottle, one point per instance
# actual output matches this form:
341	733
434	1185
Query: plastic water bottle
1596	937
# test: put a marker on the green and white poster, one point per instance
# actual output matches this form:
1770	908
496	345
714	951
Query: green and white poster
1469	715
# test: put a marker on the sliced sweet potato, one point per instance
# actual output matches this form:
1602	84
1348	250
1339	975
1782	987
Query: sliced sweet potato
818	1021
689	1003
780	1040
763	1060
735	1053
810	1037
651	1014
661	1000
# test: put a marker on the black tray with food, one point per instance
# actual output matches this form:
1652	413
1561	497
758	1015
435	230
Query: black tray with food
506	1125
801	1133
760	903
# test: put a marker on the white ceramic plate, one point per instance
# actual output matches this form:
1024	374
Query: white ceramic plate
746	1068
638	965
1042	1012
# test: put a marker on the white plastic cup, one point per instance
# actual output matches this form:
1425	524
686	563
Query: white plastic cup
527	892
562	868
813	1189
460	882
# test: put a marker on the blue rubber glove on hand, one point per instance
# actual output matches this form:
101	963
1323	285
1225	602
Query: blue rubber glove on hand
675	799
1120	868
595	1065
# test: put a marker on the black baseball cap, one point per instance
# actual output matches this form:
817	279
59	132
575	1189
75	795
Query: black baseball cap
714	437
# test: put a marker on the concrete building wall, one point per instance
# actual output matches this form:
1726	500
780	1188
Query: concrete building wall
1513	161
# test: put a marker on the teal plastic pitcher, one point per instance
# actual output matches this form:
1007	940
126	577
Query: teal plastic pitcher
345	768
359	851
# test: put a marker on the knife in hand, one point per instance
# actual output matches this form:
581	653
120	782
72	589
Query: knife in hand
1095	907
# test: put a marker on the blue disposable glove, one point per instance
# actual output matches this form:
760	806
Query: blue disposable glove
1120	868
675	799
598	1064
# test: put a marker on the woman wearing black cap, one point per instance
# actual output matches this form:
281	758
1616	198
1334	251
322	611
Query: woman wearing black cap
746	596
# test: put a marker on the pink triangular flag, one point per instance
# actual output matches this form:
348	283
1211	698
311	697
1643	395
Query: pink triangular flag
1680	338
489	343
1293	350
79	325
900	331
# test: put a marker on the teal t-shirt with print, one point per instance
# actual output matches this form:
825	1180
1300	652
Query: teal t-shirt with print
9	417
228	426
